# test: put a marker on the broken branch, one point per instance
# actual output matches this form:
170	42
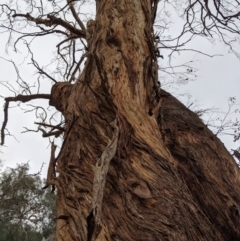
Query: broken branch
51	174
22	98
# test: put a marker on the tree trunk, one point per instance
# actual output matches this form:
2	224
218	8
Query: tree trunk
136	164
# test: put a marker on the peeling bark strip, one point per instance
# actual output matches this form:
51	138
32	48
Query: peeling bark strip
100	174
51	174
52	165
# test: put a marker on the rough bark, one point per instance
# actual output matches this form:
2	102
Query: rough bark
169	177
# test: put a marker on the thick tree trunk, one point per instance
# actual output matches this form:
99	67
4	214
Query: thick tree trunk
169	177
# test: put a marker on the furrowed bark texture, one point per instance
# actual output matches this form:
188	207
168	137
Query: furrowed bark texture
163	175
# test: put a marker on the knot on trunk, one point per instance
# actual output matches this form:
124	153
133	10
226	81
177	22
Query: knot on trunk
59	96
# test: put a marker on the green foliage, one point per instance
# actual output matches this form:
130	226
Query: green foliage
26	211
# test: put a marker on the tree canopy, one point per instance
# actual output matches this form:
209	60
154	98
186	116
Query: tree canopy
27	212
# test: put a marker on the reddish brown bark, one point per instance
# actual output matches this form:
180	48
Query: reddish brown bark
170	178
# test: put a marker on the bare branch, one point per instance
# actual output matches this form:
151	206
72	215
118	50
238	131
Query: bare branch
50	133
72	78
4	122
75	15
22	98
26	98
35	64
51	126
236	154
52	21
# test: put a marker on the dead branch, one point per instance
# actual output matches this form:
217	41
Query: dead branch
50	133
52	21
26	98
4	122
77	67
51	126
22	98
154	10
55	133
71	37
19	80
35	64
75	15
236	154
38	34
51	174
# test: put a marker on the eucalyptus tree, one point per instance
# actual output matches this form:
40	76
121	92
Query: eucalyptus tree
135	163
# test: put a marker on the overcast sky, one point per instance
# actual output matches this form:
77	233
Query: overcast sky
217	79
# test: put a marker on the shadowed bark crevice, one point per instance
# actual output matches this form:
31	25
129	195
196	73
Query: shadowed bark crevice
202	157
